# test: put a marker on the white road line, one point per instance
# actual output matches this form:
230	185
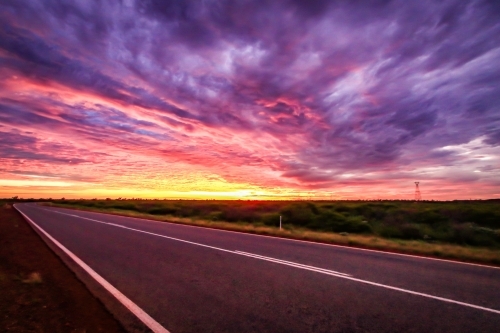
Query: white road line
147	232
310	268
293	264
134	308
299	240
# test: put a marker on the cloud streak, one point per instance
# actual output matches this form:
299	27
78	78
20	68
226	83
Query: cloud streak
269	96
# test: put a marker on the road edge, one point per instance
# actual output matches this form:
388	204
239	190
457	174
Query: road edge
131	316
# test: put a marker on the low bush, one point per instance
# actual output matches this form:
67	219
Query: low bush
125	206
214	216
162	210
270	219
410	231
471	234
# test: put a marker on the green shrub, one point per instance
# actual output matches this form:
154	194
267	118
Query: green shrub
490	219
186	211
396	217
427	217
357	224
125	206
410	231
239	214
214	216
164	210
298	214
270	219
389	231
470	234
333	221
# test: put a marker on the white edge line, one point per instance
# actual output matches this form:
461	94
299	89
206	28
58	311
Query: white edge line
319	270
146	232
293	240
134	308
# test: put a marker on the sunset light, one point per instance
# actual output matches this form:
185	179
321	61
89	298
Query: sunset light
283	100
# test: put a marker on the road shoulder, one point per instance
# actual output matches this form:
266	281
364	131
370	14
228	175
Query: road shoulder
39	293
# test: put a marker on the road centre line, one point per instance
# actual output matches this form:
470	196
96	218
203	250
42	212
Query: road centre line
297	265
300	241
134	308
293	264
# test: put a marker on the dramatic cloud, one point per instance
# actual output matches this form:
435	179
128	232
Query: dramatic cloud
342	99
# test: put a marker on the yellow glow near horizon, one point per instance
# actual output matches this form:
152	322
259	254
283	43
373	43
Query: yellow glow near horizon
34	182
57	189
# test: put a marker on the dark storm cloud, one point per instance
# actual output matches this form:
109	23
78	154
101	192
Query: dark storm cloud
344	85
34	58
19	115
24	147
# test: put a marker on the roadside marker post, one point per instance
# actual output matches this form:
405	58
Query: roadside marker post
280	222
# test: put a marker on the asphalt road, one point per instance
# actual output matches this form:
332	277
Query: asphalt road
192	279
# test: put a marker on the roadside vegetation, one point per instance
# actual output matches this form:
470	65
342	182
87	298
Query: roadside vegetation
463	230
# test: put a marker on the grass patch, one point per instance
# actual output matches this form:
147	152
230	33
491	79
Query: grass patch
33	278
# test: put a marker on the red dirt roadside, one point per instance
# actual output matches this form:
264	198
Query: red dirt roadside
38	293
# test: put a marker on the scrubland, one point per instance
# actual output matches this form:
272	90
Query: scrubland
462	230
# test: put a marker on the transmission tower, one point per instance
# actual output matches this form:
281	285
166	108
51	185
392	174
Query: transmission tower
418	196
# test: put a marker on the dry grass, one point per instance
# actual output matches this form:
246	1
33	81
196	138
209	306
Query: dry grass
33	278
417	247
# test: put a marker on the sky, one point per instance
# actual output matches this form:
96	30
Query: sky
250	99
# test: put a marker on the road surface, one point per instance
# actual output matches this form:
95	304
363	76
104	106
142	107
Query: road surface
192	279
